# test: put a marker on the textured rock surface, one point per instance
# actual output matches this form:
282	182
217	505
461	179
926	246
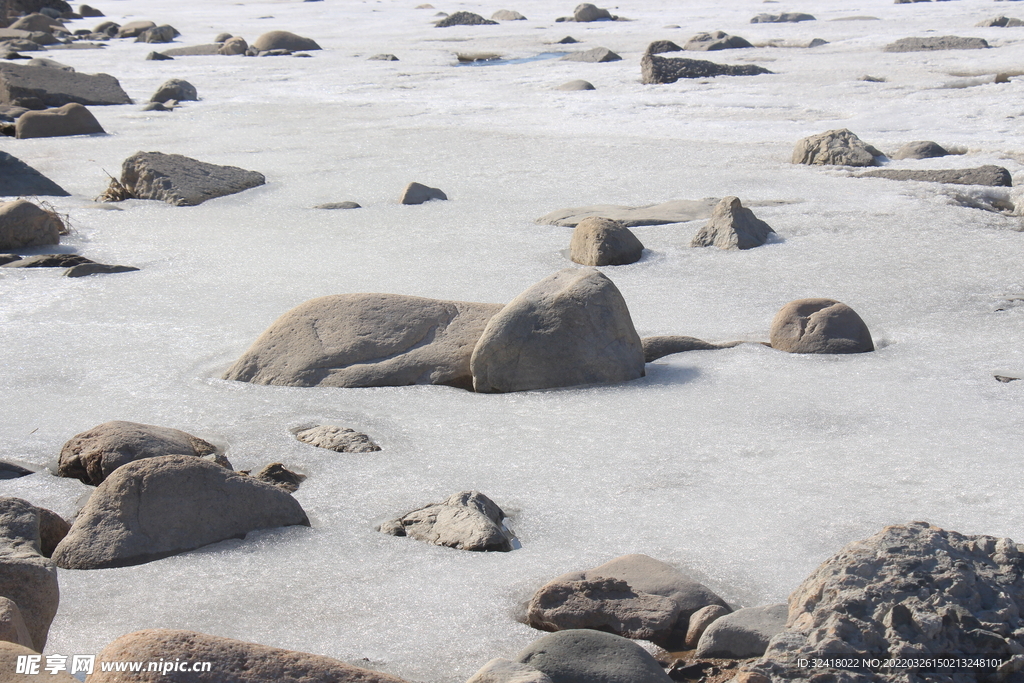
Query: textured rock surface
993	176
604	242
586	656
678	211
464	19
594	54
232	661
93	455
716	40
467	520
654	69
699	622
39	87
732	227
744	633
19	179
175	89
52	530
182	181
416	193
23	224
661	46
819	326
162	506
920	149
568	329
339	439
935	43
506	671
283	40
9	653
71	119
367	340
12	625
666	345
834	148
27	578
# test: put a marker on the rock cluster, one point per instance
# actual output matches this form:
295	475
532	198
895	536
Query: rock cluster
716	40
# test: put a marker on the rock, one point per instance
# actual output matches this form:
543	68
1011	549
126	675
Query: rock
93	455
165	505
133	29
223	37
660	346
107	28
277	474
1004	379
71	119
283	40
569	329
678	211
234	661
604	242
660	46
52	530
587	656
655	69
732	227
576	85
27	578
819	326
785	17
935	43
175	89
338	205
920	149
1001	21
156	106
384	57
589	12
182	181
89	12
467	520
49	261
507	15
40	61
193	50
35	22
716	40
8	470
568	40
235	45
699	622
39	87
416	193
835	148
12	625
742	634
23	224
993	176
463	19
594	54
86	269
339	439
10	658
158	57
506	671
158	34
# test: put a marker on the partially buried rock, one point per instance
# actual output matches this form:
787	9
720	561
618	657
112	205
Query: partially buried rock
182	181
463	19
604	242
333	206
234	45
507	15
699	622
666	345
744	633
500	670
71	119
415	193
162	506
467	520
93	455
89	12
993	176
935	43
86	269
158	34
678	211
835	148
283	40
175	89
277	474
24	224
588	12
920	149
785	17
8	470
661	46
134	29
157	56
576	86
716	40
594	54
588	656
383	57
654	69
732	227
49	261
1001	21
39	87
338	439
819	326
569	329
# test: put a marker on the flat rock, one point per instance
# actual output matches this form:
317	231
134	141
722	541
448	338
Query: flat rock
594	54
732	227
507	15
367	340
716	40
158	57
175	89
935	43
41	61
783	18
467	520
463	19
71	119
500	670
283	40
86	269
39	87
744	633
48	261
24	224
338	439
576	85
654	69
415	193
338	205
920	149
191	50
588	656
604	242
588	12
819	326
678	211
699	622
182	181
570	328
666	345
161	506
93	455
993	176
835	148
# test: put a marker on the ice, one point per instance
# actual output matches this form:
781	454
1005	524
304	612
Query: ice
743	467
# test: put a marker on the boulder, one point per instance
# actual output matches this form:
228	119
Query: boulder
12	625
235	45
71	119
107	28
507	15
588	12
587	656
467	520
175	89
666	345
732	227
993	176
24	224
27	578
744	633
367	340
158	34
935	43
39	87
192	50
89	12
52	530
182	181
699	622
678	211
594	55
785	17
654	69
42	61
506	671
920	149
415	193
383	57
661	46
283	40
604	242
165	505
35	22
835	148
277	474
86	269
232	661
569	329
716	40
338	439
463	19
134	29
576	85
93	455
819	326
1002	21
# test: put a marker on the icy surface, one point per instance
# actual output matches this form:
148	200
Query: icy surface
743	467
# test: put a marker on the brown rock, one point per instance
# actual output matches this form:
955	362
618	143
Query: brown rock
819	326
71	119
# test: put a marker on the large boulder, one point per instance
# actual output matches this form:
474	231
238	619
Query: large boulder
182	181
935	43
588	12
467	520
834	148
587	656
231	661
39	87
604	242
744	633
283	40
71	119
992	176
570	328
654	69
24	224
156	507
463	18
93	455
732	227
819	326
367	340
27	578
716	40
175	89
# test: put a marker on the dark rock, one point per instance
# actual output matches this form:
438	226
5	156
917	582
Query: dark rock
785	17
588	12
935	43
338	205
463	19
52	530
744	633
732	227
999	378
568	40
576	85
133	29
157	57
666	345
337	439
19	179
660	46
277	474
467	520
836	148
175	89
594	54
49	261
604	242
819	326
716	40
160	106
415	193
107	28
71	119
84	269
8	470
158	34
993	176
587	656
920	149
89	12
656	69
182	181
38	87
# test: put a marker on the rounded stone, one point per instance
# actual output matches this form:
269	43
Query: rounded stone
819	326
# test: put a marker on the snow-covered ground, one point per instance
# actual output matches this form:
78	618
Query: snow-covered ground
744	467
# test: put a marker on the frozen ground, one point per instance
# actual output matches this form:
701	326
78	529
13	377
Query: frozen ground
744	467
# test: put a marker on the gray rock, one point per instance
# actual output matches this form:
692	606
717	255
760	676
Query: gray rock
158	34
235	45
42	61
920	149
467	520
338	439
507	15
93	455
367	340
415	193
338	205
678	211
160	106
89	12
86	269
108	28
158	57
588	12
1001	21
660	46
35	22
716	40
732	227
604	242
39	87
71	119
49	261
156	507
26	577
193	50
587	656
175	89
182	181
935	43
568	40
666	345
993	176
24	224
383	57
699	622
744	633
133	29
594	54
654	69
785	17
576	85
52	530
277	474
569	329
463	19
284	40
8	470
835	148
819	326
12	625
506	671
